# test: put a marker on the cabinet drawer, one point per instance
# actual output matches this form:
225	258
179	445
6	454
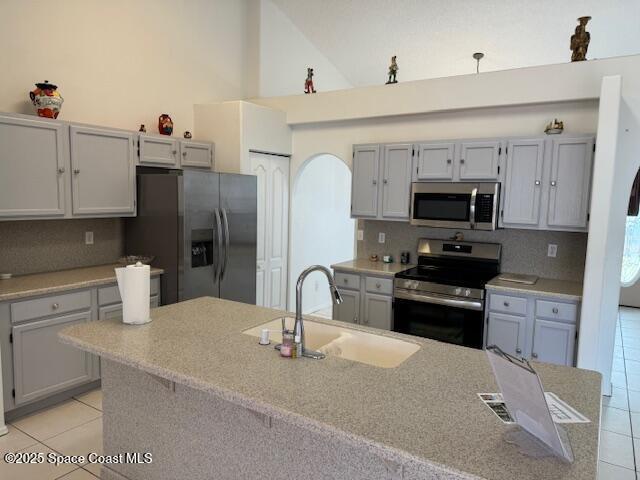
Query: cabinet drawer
57	304
348	280
379	285
556	310
508	304
111	294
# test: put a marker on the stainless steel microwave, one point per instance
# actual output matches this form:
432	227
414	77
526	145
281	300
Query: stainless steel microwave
464	206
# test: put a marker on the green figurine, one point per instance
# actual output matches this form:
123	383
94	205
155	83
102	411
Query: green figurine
393	71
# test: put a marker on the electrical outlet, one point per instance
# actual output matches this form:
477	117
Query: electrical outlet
360	235
552	250
88	238
381	237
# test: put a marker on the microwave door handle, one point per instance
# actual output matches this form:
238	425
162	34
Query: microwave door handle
472	208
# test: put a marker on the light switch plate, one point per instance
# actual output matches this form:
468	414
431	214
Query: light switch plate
552	250
381	237
88	238
360	235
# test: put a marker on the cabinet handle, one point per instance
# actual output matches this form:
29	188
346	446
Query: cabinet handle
184	154
534	355
378	286
518	350
173	152
555	310
462	160
365	321
55	306
345	281
76	171
385	181
448	161
375	182
537	182
553	183
506	304
61	170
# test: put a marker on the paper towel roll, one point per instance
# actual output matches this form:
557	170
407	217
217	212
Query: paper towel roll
134	285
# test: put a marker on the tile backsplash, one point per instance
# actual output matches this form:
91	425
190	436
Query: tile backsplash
34	246
523	251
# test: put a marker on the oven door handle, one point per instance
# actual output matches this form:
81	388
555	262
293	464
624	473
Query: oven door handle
472	208
439	300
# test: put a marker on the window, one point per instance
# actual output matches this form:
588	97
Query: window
631	258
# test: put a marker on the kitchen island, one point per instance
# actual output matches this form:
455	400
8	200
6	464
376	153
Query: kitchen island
209	402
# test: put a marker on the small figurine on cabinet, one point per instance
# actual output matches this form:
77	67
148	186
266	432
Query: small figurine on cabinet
393	71
165	124
308	83
580	40
47	99
142	128
187	134
554	127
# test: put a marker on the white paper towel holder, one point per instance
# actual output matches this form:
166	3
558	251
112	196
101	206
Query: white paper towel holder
140	274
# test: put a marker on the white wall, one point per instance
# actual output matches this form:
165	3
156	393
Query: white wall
121	63
284	55
322	231
630	296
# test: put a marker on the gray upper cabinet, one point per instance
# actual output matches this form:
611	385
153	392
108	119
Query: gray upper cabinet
103	171
434	161
479	160
553	342
397	164
42	364
196	154
569	182
158	150
377	311
33	166
523	183
364	187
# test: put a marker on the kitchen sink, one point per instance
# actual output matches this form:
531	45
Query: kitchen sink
344	342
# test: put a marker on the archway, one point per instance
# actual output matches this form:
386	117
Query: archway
322	230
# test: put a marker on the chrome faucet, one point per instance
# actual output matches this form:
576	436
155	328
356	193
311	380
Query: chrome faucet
299	325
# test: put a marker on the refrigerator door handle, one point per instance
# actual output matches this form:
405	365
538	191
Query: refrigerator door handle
217	271
226	243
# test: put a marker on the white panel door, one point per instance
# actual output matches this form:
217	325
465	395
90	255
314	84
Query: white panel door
553	342
523	183
507	332
104	176
479	160
364	187
273	229
33	167
396	181
434	161
570	182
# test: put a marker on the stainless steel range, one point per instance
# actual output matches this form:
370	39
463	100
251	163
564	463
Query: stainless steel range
443	297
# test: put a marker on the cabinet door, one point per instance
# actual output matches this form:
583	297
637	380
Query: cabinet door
42	364
396	181
434	161
349	309
115	310
103	171
553	342
196	154
523	183
570	182
479	160
507	332
158	150
32	167
377	311
364	182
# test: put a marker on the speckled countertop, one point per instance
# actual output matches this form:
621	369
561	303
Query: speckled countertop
51	282
545	287
363	265
426	409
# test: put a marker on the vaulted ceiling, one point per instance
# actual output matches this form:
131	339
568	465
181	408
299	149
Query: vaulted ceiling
435	38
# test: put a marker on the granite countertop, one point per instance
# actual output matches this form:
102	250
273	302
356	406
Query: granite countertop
51	282
363	265
424	410
546	287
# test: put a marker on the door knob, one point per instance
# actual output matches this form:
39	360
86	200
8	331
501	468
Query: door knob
518	350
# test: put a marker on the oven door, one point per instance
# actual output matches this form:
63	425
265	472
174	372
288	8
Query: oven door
439	317
445	205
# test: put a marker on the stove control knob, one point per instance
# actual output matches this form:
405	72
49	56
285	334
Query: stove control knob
467	292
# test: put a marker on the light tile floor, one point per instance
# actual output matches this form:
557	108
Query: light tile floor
620	423
75	426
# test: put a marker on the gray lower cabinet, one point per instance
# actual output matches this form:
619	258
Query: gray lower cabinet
42	364
543	328
366	300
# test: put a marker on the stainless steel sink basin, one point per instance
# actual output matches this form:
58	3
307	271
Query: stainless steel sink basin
344	342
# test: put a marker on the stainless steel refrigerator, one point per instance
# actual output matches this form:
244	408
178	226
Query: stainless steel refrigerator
201	229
